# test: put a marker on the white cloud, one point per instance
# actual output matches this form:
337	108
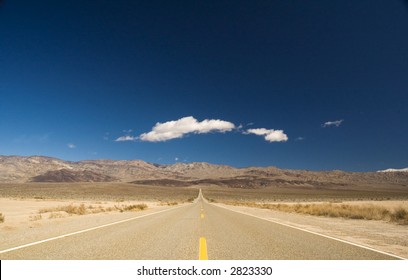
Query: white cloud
300	138
126	138
71	146
177	129
332	123
270	135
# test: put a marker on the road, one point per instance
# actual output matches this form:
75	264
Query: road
200	230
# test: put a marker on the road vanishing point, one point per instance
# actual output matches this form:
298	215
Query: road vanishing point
199	230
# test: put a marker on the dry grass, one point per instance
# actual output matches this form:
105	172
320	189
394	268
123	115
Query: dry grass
56	215
57	212
35	218
365	212
168	203
2	218
118	192
69	209
305	194
133	207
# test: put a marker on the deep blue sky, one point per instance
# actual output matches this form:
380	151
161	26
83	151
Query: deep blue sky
77	75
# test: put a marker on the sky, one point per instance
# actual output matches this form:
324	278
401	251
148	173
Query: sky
314	85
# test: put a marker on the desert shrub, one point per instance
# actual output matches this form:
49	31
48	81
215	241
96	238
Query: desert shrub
363	212
168	203
35	218
2	218
78	210
400	216
135	207
56	215
69	209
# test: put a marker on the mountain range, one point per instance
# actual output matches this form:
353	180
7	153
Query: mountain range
19	169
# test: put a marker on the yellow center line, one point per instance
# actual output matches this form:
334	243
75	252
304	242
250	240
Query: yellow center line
203	249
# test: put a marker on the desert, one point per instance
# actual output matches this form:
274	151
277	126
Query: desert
40	200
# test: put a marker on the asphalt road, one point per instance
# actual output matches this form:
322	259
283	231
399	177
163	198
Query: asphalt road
195	231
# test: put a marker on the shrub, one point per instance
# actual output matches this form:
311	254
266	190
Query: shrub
35	218
400	216
69	209
135	207
364	212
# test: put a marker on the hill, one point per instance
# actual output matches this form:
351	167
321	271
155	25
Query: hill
17	169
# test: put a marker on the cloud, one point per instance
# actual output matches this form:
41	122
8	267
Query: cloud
300	138
177	129
71	146
126	138
333	123
270	135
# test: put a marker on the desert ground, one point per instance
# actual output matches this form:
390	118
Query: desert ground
34	211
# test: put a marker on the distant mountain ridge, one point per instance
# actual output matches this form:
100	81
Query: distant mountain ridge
19	169
394	170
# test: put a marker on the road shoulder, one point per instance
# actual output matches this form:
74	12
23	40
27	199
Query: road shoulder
379	235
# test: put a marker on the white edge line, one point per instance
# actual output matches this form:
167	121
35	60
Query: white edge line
319	234
86	230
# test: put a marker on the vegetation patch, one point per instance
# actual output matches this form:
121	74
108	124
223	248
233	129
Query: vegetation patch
364	212
82	209
34	218
168	203
56	215
2	218
133	207
69	209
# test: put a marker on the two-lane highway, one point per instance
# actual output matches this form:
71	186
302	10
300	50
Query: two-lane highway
195	231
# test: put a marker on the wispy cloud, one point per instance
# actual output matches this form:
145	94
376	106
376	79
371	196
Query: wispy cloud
178	128
300	138
270	135
332	123
126	138
71	146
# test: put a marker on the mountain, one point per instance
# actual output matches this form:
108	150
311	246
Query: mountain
66	175
18	169
394	170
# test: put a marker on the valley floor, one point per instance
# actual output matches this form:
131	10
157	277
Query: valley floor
29	220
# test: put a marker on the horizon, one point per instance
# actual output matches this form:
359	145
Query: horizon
317	85
210	163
